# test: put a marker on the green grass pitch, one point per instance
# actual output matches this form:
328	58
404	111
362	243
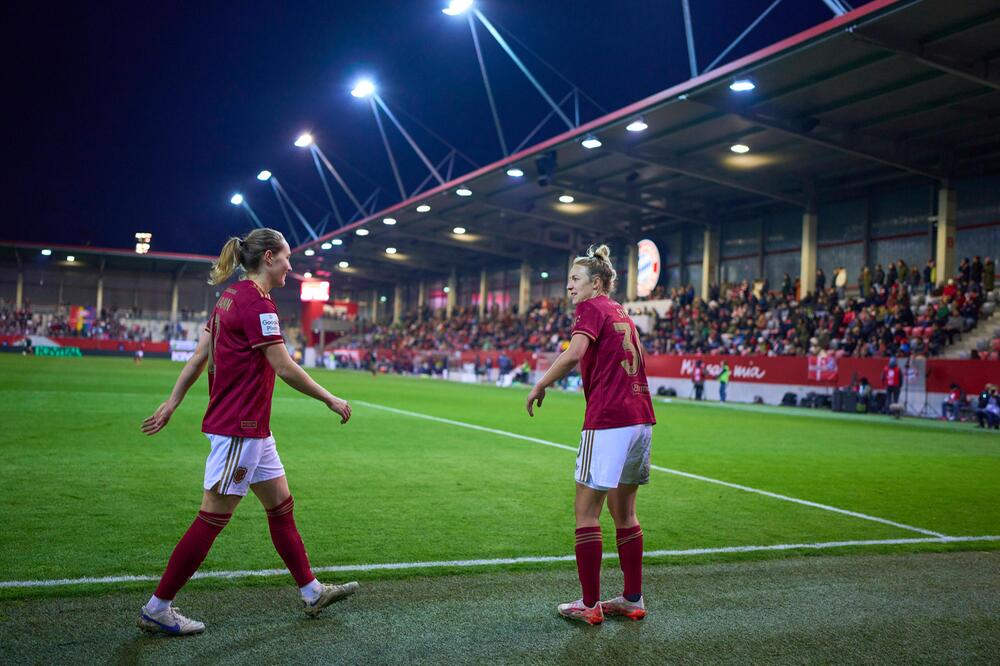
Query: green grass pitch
84	494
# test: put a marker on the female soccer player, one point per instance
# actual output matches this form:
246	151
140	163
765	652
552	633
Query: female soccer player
613	460
243	349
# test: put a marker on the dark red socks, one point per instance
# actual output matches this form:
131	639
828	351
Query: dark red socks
288	543
588	563
630	558
190	552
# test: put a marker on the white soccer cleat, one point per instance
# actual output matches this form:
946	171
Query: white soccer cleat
622	607
169	622
329	595
577	611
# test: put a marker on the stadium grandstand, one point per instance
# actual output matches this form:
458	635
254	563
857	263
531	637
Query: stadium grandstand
810	228
832	195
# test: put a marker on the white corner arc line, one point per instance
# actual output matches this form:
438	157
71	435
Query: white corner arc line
504	561
667	470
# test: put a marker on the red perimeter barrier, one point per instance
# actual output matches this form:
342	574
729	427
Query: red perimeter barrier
93	344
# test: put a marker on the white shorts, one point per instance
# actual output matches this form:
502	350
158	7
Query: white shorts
237	462
615	455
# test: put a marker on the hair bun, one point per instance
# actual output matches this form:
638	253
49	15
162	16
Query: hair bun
601	252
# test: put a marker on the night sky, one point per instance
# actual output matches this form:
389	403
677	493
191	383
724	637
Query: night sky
146	117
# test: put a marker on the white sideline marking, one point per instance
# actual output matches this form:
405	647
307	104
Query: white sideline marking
494	562
698	477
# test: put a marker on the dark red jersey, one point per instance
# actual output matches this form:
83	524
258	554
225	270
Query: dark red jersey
893	377
613	370
240	380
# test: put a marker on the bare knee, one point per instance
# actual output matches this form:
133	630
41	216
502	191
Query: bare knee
588	505
214	502
621	505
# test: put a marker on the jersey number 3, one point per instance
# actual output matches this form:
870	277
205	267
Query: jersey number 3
629	344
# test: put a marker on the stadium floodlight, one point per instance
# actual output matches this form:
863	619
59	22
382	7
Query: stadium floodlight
325	246
457	7
637	125
307	275
382	299
740	148
310	252
463	192
46	252
447	289
458	231
264	175
545	275
389	220
236	199
566	198
337	241
361	232
363	88
304	141
514	172
390	250
344	264
70	258
423	208
591	142
742	85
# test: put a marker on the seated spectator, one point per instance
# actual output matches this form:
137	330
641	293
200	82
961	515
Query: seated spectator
952	405
988	408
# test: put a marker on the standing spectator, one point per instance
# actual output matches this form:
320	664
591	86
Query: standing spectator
723	381
989	274
964	272
914	280
902	271
890	276
893	378
698	378
865	283
879	276
840	281
786	286
952	404
930	277
976	270
820	281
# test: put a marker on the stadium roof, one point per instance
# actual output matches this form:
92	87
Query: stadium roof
89	257
895	90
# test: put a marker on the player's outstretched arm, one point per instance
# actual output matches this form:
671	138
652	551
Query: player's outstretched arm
293	375
189	375
562	366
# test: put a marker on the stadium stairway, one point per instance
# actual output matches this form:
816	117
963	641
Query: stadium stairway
982	336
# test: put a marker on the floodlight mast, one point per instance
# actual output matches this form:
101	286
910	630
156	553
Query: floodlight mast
239	200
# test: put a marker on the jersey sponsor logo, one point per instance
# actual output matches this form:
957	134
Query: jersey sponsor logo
640	388
248	425
239	474
269	324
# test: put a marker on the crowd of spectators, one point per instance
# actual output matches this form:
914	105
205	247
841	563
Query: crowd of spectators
894	312
108	324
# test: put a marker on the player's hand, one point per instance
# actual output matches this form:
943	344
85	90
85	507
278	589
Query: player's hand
158	421
537	395
341	407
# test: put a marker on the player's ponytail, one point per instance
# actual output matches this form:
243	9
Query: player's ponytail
245	254
598	265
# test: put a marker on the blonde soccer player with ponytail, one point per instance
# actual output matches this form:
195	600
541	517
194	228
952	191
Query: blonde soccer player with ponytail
243	349
613	460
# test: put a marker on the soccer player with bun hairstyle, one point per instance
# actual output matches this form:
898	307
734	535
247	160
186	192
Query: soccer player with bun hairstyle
613	460
243	350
